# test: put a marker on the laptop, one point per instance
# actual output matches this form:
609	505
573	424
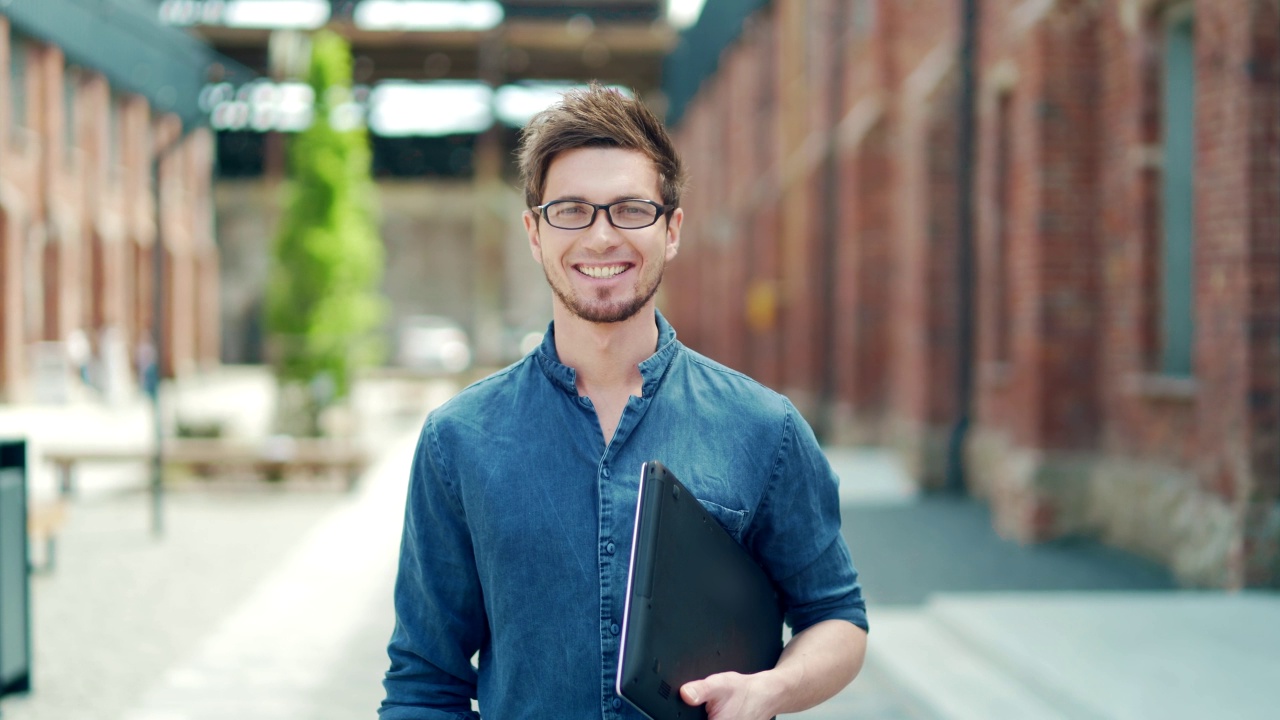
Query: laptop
697	603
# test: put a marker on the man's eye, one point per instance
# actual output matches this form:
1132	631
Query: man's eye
569	210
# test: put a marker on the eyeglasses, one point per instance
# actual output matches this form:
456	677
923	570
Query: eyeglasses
622	214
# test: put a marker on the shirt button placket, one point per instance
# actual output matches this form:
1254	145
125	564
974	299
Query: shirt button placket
611	701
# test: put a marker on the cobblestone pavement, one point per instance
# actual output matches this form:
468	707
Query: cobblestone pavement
122	607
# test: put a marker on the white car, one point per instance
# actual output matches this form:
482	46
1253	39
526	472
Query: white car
433	343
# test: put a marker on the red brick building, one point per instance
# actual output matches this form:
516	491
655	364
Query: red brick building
79	189
1123	226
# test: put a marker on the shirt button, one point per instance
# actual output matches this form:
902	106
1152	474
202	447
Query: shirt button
606	472
614	628
617	703
609	548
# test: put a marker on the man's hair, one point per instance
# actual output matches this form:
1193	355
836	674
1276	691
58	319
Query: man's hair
597	117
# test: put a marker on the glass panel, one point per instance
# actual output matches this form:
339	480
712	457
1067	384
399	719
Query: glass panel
1178	200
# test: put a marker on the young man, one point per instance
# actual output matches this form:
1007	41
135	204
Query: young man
522	499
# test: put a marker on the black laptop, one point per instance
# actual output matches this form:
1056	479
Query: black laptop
697	603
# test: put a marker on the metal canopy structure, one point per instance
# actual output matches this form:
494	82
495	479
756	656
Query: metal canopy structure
126	42
697	55
614	41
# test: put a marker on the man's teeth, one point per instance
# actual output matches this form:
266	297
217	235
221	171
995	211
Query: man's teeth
605	271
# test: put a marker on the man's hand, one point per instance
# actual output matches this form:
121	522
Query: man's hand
733	696
815	665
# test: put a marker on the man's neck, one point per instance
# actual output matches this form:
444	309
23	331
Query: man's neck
605	356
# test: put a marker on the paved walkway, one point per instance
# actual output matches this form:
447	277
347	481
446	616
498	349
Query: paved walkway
263	603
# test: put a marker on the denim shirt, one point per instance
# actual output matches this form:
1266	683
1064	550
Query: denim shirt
518	524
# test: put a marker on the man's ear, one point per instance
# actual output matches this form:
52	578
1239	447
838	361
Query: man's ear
531	229
673	232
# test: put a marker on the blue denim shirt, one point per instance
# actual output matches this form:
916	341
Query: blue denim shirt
519	517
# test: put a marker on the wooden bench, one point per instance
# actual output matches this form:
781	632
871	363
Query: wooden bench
271	458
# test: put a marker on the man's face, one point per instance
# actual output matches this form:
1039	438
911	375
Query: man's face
600	273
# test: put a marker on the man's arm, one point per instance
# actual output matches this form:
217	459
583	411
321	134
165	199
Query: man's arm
439	617
814	666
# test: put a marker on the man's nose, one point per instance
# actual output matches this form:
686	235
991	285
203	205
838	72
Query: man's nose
601	234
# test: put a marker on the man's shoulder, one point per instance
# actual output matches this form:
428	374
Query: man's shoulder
484	395
735	387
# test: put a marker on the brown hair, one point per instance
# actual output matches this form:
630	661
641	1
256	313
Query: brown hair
597	117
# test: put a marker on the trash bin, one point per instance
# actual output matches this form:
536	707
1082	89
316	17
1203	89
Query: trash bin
15	592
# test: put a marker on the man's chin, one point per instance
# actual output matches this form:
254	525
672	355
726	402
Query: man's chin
606	315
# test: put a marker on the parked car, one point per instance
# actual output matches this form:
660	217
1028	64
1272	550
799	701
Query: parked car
432	343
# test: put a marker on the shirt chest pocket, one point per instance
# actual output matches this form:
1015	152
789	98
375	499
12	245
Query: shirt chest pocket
733	521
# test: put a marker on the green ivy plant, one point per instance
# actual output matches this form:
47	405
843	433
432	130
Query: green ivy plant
323	304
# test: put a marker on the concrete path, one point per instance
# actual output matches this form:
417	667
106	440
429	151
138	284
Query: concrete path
286	651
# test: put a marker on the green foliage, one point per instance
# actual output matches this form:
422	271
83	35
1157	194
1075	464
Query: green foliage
323	305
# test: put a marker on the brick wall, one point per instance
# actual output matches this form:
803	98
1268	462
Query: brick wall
1075	431
77	221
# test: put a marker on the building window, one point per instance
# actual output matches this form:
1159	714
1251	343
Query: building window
70	90
1177	194
1001	267
17	84
115	138
863	17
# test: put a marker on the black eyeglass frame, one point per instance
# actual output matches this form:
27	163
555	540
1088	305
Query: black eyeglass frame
663	210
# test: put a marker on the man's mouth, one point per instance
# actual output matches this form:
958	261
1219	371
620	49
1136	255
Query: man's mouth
602	272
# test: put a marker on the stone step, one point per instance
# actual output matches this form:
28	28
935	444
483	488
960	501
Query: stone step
1086	655
948	674
1129	656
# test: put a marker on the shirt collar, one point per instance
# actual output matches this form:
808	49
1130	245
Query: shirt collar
652	369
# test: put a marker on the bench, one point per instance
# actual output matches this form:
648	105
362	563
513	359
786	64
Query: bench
271	458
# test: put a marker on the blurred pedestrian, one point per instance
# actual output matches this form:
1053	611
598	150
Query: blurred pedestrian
80	355
148	367
523	490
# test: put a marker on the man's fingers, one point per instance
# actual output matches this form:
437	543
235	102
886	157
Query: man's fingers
693	692
697	692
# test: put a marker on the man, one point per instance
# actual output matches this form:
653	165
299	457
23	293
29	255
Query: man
522	499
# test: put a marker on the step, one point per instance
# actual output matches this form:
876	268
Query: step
1129	656
947	674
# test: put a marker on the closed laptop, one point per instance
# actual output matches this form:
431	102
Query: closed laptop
697	603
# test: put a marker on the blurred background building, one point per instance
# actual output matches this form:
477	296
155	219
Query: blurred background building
1077	293
105	156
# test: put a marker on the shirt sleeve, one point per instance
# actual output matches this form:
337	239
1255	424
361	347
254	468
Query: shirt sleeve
440	621
796	534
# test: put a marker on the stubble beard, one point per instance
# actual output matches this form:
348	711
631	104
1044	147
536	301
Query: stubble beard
603	311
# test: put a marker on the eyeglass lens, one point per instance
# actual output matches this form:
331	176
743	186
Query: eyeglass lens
626	214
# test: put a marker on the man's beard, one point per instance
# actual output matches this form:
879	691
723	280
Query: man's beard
613	312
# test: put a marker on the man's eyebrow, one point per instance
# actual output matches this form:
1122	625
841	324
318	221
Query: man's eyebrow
616	198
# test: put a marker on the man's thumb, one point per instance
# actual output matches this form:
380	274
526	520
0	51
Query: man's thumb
694	692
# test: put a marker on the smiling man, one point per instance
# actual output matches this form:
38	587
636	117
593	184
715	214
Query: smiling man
523	490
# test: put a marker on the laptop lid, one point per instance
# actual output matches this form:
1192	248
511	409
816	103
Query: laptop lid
697	603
